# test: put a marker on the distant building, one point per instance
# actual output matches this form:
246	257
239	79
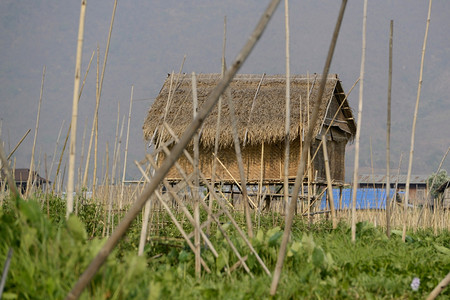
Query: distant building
418	189
21	178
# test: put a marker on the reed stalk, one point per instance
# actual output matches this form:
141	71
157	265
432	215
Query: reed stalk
413	132
358	126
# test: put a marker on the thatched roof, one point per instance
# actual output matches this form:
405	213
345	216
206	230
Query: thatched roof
260	112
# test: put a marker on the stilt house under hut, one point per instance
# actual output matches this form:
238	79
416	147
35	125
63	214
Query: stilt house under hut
259	102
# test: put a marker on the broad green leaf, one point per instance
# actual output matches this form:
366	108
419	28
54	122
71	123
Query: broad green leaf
273	240
442	249
76	228
318	257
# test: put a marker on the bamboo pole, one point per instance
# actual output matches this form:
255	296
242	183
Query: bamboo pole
31	171
329	184
198	267
413	132
288	111
94	121
177	150
97	96
240	162
73	132
306	147
388	136
126	149
358	126
439	288
219	113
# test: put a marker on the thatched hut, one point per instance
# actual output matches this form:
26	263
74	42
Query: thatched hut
259	102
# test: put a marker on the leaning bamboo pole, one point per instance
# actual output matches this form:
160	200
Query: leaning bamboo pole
413	132
31	171
18	144
306	147
73	132
288	112
177	150
388	136
358	126
329	183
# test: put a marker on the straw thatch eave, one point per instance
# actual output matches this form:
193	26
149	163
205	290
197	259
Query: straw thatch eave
259	102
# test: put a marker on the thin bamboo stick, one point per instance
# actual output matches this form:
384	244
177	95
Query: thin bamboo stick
219	115
73	132
413	132
94	121
97	95
388	136
31	171
126	149
358	126
301	168
177	150
288	111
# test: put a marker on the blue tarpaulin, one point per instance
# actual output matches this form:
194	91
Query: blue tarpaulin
365	199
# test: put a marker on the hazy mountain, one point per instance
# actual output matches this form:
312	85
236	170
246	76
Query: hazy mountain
150	38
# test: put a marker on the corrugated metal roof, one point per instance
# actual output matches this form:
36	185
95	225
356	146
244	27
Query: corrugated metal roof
378	178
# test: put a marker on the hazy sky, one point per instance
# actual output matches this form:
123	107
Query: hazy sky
150	38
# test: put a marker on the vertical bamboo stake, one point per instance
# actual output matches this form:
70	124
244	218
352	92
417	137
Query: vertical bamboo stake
76	85
301	167
126	148
419	88
240	162
198	266
177	150
30	173
358	126
97	95
329	185
82	154
388	136
95	118
219	112
288	112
